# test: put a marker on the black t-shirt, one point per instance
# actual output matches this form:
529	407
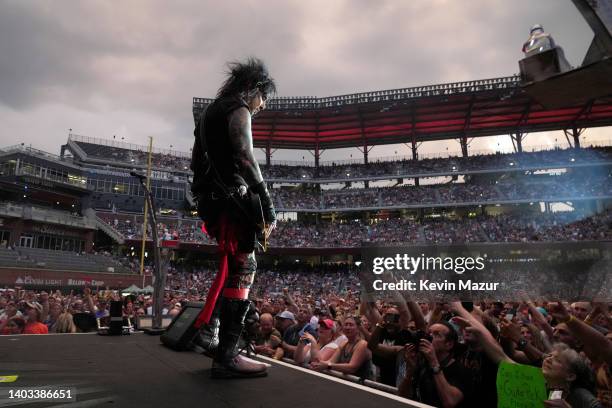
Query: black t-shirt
262	339
403	336
582	398
483	376
425	387
388	366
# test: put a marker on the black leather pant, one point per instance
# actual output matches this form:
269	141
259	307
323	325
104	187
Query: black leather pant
224	221
241	270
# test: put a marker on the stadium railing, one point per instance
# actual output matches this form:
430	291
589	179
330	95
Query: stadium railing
352	378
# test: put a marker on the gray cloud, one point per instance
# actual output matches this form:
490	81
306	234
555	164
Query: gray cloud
132	68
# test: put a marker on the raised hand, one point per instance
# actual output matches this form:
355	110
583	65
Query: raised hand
510	330
410	354
427	349
559	312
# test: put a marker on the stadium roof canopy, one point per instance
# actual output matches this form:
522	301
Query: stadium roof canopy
486	107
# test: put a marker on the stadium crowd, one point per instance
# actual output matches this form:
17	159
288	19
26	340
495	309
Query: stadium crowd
353	233
550	227
166	161
181	162
445	354
184	229
446	164
560	187
442	354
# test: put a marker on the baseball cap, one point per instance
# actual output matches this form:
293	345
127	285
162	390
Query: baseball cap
327	324
285	314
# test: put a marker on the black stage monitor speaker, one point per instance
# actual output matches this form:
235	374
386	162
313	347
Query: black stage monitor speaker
115	327
181	330
85	322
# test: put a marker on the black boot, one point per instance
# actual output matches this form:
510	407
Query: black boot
228	363
206	339
251	327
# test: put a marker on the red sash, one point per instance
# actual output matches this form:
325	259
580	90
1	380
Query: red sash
227	240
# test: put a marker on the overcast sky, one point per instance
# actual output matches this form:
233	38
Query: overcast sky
131	68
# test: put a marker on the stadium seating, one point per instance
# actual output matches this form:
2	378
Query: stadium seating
388	167
12	258
482	228
62	260
560	187
136	157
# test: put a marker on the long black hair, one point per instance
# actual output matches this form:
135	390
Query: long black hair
245	77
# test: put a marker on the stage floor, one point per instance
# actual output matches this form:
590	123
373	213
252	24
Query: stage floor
136	370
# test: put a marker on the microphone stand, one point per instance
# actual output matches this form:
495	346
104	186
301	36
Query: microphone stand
159	274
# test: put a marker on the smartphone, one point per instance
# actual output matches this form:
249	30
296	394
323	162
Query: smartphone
469	306
509	317
556	395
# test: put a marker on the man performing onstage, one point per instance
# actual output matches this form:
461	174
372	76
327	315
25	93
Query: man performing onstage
226	178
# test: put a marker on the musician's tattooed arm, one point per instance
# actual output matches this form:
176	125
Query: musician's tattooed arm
242	140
